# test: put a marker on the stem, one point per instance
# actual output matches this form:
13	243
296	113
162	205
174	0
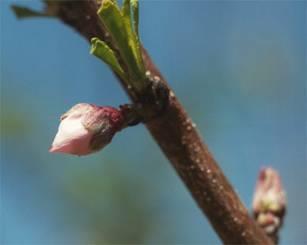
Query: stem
177	136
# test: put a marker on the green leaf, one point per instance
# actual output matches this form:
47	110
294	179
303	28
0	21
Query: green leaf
135	22
135	16
126	13
126	9
23	12
101	50
119	25
132	34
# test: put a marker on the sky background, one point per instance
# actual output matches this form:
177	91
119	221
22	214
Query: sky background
238	67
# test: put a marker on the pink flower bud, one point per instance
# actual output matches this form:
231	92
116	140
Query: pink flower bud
269	195
86	128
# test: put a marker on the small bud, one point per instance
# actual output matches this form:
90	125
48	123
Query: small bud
86	128
269	194
269	203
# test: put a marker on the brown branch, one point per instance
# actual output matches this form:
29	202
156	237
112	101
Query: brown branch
177	136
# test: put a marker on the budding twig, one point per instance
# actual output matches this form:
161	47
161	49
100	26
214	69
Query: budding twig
175	133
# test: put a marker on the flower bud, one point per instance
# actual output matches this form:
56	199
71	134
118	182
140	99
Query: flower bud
269	194
269	204
86	128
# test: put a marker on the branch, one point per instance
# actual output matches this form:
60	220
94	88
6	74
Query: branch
178	138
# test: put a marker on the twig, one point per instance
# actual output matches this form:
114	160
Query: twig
177	136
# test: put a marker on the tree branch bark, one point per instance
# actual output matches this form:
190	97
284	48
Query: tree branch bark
178	138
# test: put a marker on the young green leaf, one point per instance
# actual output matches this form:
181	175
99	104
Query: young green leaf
119	26
132	35
101	50
135	16
126	9
135	23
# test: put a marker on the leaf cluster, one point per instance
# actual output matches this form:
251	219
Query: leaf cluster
122	25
